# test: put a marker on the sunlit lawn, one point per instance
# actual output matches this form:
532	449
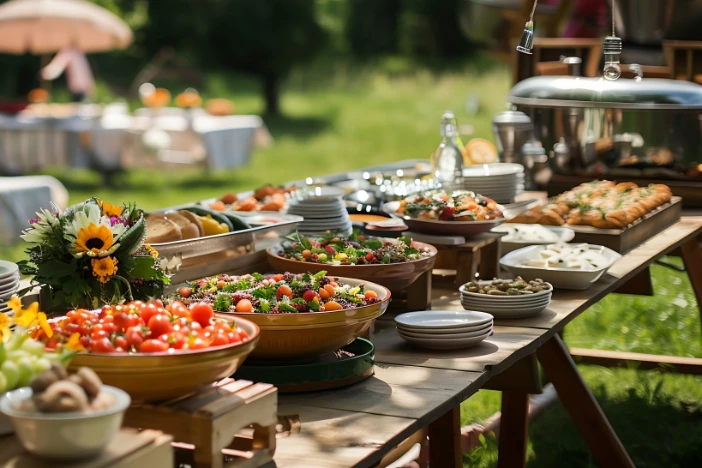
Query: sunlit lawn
347	118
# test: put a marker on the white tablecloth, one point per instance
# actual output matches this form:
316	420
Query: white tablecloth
113	140
21	198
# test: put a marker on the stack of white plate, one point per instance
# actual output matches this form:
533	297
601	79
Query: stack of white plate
500	181
444	329
504	307
323	210
9	283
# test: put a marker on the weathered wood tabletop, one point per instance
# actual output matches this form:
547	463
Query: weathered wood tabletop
414	388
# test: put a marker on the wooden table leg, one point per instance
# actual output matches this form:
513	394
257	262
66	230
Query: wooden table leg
582	405
445	440
489	266
514	421
466	266
691	253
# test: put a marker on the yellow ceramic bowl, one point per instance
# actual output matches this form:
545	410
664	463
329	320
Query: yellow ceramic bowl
394	276
160	376
307	335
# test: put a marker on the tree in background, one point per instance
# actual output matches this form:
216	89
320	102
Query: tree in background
372	27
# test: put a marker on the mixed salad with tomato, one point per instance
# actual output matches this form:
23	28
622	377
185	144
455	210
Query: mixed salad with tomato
139	327
458	205
276	294
354	250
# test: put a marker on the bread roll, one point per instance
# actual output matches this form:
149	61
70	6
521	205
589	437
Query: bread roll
159	230
193	218
190	231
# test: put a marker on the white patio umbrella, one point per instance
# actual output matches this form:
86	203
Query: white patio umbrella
47	26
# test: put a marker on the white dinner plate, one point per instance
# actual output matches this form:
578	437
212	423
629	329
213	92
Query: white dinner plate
7	269
503	302
446	344
492	170
513	313
9	280
442	319
483	306
445	336
446	331
539	294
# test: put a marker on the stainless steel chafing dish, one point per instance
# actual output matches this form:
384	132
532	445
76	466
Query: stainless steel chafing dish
639	127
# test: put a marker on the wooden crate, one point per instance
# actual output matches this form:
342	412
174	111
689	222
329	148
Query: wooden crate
129	448
206	425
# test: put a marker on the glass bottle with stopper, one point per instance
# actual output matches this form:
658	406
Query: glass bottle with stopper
612	49
526	43
447	160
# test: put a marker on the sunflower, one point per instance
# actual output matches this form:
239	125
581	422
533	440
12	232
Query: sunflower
110	210
104	268
93	240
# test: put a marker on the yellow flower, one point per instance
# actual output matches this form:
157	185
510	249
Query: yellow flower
94	239
109	209
4	326
26	317
104	268
73	343
44	324
15	304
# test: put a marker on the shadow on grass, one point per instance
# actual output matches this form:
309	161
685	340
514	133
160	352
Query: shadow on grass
299	127
656	429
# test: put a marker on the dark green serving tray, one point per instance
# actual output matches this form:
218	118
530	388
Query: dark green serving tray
332	370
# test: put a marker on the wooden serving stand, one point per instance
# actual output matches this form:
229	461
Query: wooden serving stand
211	428
129	448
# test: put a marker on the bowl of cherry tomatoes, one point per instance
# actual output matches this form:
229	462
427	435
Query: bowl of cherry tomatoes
151	351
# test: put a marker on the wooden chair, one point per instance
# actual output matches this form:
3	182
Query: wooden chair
680	57
551	49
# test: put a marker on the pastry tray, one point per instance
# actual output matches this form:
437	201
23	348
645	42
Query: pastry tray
625	239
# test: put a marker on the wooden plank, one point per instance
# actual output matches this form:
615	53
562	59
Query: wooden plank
639	285
691	252
639	361
330	438
420	393
445	440
514	421
523	376
129	445
582	405
505	347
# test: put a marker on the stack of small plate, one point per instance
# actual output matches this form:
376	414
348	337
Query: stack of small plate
500	181
444	329
9	283
323	210
506	307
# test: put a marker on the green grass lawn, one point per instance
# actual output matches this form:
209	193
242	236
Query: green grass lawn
343	117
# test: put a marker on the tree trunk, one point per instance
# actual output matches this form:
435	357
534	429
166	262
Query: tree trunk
271	91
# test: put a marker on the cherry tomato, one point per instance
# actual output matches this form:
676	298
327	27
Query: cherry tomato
370	295
195	327
104	311
233	337
153	346
306	253
84	340
309	295
102	345
244	305
185	292
176	340
284	290
149	311
202	313
121	320
159	325
324	294
178	309
219	340
121	342
209	332
278	277
158	302
109	328
198	343
332	305
135	336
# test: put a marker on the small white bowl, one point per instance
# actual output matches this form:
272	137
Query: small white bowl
565	234
65	436
560	278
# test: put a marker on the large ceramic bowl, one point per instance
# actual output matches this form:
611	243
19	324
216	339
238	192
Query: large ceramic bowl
160	376
560	278
394	276
65	436
308	335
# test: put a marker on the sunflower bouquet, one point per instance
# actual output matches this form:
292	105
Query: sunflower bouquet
90	254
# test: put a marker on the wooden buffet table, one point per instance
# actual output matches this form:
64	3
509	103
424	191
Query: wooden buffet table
415	388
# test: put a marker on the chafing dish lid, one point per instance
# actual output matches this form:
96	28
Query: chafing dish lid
572	91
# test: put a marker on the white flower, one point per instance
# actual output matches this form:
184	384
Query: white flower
41	228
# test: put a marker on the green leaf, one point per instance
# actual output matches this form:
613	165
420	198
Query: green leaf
319	275
222	303
284	307
56	269
313	306
411	250
134	237
258	276
406	240
142	267
373	244
306	242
